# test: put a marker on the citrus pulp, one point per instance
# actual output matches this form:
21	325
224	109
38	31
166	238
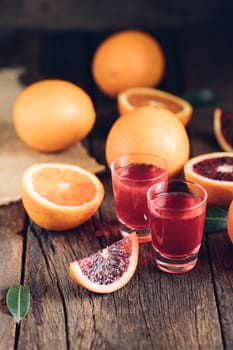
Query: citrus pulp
214	171
132	98
109	269
60	196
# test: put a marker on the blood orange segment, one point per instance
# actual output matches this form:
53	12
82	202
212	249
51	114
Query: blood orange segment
60	196
214	171
109	269
223	129
132	98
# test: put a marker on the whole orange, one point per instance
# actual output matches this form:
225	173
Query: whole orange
149	130
51	115
127	59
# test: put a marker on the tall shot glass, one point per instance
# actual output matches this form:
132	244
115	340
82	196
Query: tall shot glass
176	210
132	175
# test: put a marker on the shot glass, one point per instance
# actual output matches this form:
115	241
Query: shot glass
176	210
132	175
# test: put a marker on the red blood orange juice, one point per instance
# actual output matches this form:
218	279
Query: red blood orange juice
176	217
132	175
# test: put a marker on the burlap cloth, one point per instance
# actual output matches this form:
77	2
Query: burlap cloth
14	155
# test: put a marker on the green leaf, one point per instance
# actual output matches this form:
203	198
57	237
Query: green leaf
215	219
201	97
18	301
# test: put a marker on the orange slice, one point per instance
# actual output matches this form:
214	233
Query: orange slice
141	96
60	196
223	129
109	269
230	222
214	171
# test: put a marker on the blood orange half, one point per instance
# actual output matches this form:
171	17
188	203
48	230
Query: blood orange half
109	269
214	171
223	129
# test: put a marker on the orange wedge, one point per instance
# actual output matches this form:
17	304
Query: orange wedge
60	196
109	269
132	98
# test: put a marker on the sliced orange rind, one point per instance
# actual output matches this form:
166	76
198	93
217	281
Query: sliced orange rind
214	171
132	98
109	269
230	222
223	129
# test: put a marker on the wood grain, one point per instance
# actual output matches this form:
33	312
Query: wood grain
11	261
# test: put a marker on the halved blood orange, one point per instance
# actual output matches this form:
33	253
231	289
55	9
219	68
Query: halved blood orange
109	269
230	222
214	171
60	196
132	98
223	129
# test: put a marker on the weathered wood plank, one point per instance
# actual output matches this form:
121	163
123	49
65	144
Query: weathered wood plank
11	259
144	314
221	256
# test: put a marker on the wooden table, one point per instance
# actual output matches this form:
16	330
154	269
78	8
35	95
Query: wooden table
154	310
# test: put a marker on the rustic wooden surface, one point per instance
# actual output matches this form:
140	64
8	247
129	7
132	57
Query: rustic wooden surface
155	310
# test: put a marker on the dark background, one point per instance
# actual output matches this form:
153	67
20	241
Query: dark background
57	38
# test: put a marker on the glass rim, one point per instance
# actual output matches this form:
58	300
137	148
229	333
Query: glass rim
197	185
112	166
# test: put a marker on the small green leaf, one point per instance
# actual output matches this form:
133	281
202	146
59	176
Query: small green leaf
18	301
201	97
215	219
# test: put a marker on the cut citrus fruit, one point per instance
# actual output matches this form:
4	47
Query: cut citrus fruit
140	96
214	171
230	221
60	196
149	130
109	269
52	115
126	59
223	129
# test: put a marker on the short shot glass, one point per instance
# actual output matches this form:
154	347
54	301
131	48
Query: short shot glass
176	210
132	175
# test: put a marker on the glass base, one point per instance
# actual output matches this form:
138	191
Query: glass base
144	235
176	266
